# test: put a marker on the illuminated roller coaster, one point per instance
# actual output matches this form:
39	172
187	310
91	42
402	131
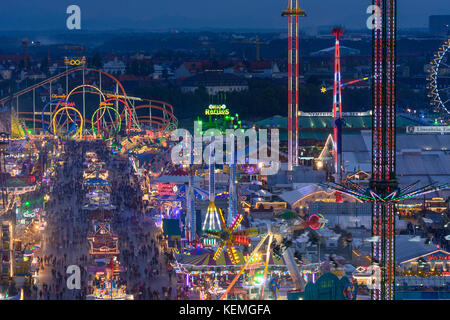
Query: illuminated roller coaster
116	113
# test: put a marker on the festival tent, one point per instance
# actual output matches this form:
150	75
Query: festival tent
288	215
97	182
206	260
198	251
263	193
199	193
177	176
94	207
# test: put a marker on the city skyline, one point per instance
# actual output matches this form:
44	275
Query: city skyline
201	14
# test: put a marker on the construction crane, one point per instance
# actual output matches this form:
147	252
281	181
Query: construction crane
255	42
26	43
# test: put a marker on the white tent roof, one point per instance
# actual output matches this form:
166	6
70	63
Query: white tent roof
294	195
176	179
263	193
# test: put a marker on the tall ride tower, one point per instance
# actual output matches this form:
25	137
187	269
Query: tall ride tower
383	189
293	12
190	199
337	110
383	181
232	192
211	222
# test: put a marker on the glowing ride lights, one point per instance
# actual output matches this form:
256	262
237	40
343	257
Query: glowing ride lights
59	100
160	124
85	86
397	195
316	221
127	115
100	130
383	189
293	12
211	222
79	129
440	58
337	110
229	237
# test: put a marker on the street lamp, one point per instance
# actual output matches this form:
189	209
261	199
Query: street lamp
4	142
46	198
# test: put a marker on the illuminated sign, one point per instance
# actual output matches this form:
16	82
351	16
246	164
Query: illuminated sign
106	103
110	95
70	104
438	257
56	96
167	189
330	114
75	62
428	129
217	110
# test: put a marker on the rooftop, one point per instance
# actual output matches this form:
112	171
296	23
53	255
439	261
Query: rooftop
214	78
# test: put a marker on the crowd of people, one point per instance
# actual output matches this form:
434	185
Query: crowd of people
144	255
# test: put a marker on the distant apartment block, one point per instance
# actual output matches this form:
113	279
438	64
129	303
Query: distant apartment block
214	82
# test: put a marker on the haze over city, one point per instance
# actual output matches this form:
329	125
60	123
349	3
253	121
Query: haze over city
155	14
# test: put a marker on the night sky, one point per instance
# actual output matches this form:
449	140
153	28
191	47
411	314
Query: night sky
251	14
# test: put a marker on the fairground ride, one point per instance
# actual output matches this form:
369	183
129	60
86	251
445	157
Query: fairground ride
54	104
439	90
279	234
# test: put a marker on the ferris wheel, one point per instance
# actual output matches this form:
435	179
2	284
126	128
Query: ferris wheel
439	91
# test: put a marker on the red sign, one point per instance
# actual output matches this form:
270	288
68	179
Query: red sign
438	258
167	189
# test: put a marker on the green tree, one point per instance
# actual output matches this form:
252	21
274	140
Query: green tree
96	61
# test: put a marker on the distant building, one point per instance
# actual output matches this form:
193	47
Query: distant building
300	174
214	82
5	74
191	68
132	81
15	58
57	67
263	69
439	25
114	66
35	76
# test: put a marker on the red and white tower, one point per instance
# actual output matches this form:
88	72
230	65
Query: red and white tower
337	111
293	12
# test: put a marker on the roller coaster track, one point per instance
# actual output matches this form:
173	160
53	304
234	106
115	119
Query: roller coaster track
167	122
